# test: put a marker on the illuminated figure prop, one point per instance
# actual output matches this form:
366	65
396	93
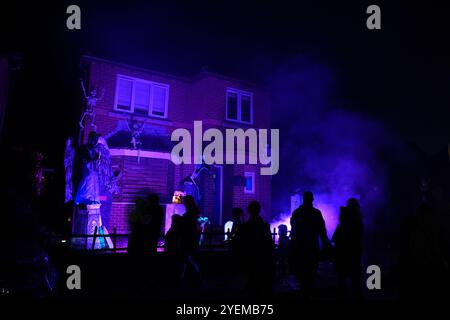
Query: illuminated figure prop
193	180
91	103
96	168
94	160
136	130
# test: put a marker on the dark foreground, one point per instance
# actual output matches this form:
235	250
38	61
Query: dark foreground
111	282
119	276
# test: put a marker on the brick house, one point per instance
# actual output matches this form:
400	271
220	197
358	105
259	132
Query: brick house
148	106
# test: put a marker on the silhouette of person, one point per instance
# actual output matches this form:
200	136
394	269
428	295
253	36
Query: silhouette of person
283	249
137	247
172	238
234	275
136	242
254	245
153	218
190	232
172	249
348	238
145	224
308	226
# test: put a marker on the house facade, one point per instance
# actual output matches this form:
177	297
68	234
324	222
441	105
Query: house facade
136	112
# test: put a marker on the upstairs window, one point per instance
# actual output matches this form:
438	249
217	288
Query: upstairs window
141	97
239	106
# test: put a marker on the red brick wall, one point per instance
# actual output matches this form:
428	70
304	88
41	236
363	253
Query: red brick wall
138	181
120	217
147	176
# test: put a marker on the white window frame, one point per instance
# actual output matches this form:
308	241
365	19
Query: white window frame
152	84
252	175
239	94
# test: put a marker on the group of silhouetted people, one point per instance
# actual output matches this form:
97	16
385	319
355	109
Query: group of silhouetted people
426	253
181	241
309	241
252	245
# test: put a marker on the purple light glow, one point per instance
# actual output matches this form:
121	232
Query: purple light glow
328	146
329	209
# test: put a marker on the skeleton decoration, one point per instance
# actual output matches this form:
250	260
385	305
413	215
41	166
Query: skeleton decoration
91	103
94	162
136	129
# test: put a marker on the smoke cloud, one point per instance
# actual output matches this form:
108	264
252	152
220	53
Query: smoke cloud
325	148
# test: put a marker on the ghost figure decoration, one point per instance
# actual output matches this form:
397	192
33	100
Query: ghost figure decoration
93	163
88	168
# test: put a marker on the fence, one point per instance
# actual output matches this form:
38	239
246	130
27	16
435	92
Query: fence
207	240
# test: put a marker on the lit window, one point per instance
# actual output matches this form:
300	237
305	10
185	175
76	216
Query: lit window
141	97
249	182
239	106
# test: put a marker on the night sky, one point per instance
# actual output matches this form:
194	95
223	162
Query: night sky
399	75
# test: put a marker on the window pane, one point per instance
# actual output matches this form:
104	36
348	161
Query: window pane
232	106
124	89
159	101
246	112
141	98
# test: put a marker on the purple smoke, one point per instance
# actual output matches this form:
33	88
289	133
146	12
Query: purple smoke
331	151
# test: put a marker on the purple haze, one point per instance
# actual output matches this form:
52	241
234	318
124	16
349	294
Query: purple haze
333	152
